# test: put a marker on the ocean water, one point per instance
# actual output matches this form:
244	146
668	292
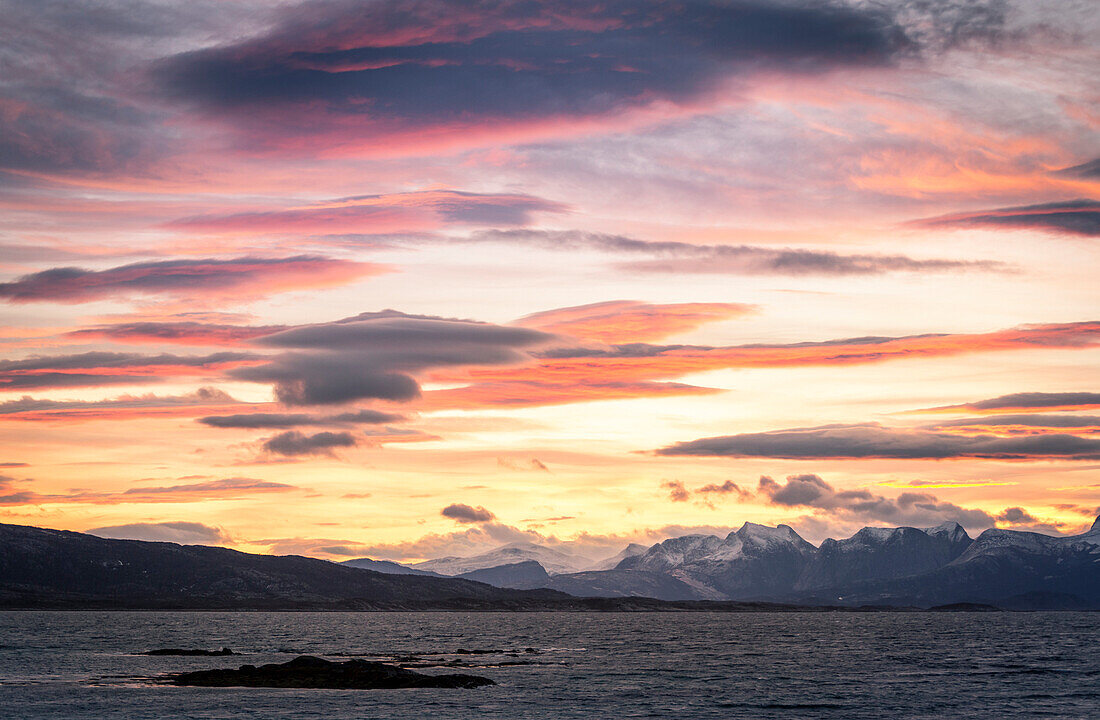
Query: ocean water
77	665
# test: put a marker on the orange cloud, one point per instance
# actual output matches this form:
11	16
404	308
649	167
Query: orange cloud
624	321
633	368
223	489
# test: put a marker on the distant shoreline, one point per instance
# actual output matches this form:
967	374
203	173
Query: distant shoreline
632	607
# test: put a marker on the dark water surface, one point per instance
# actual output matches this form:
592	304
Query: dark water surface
77	665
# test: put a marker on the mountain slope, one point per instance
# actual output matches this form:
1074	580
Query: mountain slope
753	562
627	583
57	568
882	553
629	551
387	567
523	575
554	561
1000	566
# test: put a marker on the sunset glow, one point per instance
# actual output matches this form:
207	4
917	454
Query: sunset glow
306	275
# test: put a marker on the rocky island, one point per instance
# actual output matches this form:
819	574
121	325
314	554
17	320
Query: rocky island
312	672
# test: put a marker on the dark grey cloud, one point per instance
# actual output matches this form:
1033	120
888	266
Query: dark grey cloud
378	357
289	420
47	380
181	332
367	417
258	420
409	64
873	441
116	360
178	532
912	509
681	257
1032	400
179	277
1016	515
293	443
467	514
97	368
1072	217
58	408
1090	169
1038	420
71	69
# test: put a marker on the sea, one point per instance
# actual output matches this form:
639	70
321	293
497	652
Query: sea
87	665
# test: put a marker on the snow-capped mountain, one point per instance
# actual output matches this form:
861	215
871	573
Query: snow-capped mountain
553	560
629	551
755	561
889	566
1002	567
882	553
894	566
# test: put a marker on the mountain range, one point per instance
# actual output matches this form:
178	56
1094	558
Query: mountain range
902	566
56	568
755	568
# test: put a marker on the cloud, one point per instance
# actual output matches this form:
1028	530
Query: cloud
729	487
244	277
350	75
676	490
631	321
465	514
1015	515
69	104
1071	217
395	213
1020	519
1088	170
179	332
287	420
873	441
96	368
124	407
583	372
379	357
1028	401
293	443
908	509
237	486
1021	424
178	532
222	489
681	257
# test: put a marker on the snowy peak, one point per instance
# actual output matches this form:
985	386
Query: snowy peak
1095	525
672	553
950	531
762	536
996	541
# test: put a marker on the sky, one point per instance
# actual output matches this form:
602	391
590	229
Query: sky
414	278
